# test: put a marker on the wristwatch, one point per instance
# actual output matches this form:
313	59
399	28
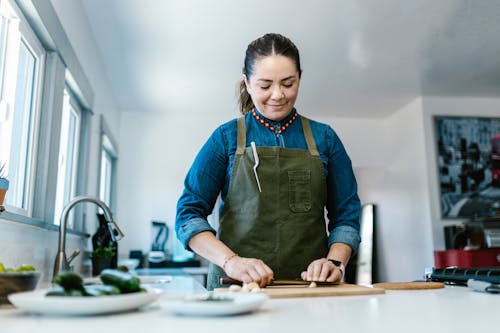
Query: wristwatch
339	264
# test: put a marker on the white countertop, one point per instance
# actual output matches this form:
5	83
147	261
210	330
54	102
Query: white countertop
453	309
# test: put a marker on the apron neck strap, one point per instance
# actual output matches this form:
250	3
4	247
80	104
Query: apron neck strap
311	144
242	136
306	126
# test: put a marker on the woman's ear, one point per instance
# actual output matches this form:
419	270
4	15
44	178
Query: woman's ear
247	83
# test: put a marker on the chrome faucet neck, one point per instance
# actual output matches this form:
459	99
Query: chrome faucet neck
62	263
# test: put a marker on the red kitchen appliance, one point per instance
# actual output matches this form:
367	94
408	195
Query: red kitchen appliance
475	243
467	258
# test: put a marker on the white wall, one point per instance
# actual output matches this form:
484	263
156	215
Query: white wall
389	160
157	151
24	244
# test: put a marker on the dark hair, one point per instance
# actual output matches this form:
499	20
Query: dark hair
269	44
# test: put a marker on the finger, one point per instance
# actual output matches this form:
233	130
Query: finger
264	277
307	274
310	272
326	271
303	275
335	275
254	274
246	278
332	277
317	271
269	271
269	276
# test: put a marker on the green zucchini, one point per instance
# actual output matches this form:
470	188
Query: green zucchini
101	290
69	281
74	292
126	282
60	291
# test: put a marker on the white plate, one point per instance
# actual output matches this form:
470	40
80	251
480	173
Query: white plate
146	279
195	305
37	302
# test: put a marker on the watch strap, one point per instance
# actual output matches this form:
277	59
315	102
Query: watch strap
339	264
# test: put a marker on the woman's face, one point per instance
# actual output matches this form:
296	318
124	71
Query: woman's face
273	86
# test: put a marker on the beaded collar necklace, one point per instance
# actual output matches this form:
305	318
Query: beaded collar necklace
278	130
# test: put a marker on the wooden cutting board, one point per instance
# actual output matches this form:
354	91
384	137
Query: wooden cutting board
408	285
304	291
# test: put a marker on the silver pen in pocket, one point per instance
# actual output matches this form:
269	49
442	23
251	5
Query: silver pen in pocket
256	159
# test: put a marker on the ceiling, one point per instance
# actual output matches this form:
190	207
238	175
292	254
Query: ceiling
361	58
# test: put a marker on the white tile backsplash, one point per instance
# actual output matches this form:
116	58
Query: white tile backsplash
25	244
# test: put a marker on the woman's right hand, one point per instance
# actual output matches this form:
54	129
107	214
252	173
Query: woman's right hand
249	270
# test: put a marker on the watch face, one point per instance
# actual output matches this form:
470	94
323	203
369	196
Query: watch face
335	262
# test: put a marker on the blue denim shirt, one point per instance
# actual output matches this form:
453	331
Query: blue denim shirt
210	173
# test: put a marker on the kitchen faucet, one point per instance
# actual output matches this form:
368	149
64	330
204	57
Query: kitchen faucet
62	263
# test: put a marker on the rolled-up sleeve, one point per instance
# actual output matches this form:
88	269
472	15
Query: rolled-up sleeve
343	204
202	186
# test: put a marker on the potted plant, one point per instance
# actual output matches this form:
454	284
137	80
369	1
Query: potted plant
4	183
101	258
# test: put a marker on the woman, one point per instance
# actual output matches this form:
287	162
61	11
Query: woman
276	172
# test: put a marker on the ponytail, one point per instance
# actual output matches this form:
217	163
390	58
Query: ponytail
245	101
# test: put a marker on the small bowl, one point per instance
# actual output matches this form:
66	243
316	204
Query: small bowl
14	282
130	263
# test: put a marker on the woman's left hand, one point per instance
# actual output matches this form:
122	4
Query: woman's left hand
322	270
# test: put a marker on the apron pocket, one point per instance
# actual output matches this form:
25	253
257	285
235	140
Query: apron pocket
299	190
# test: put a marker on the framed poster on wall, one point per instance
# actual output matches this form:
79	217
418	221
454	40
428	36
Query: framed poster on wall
468	162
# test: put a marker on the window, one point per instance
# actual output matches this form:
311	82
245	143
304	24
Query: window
3	42
43	141
106	176
108	166
68	155
21	68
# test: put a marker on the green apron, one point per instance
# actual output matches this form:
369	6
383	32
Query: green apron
284	225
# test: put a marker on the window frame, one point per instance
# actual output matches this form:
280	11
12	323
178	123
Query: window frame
24	34
109	147
70	101
61	67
